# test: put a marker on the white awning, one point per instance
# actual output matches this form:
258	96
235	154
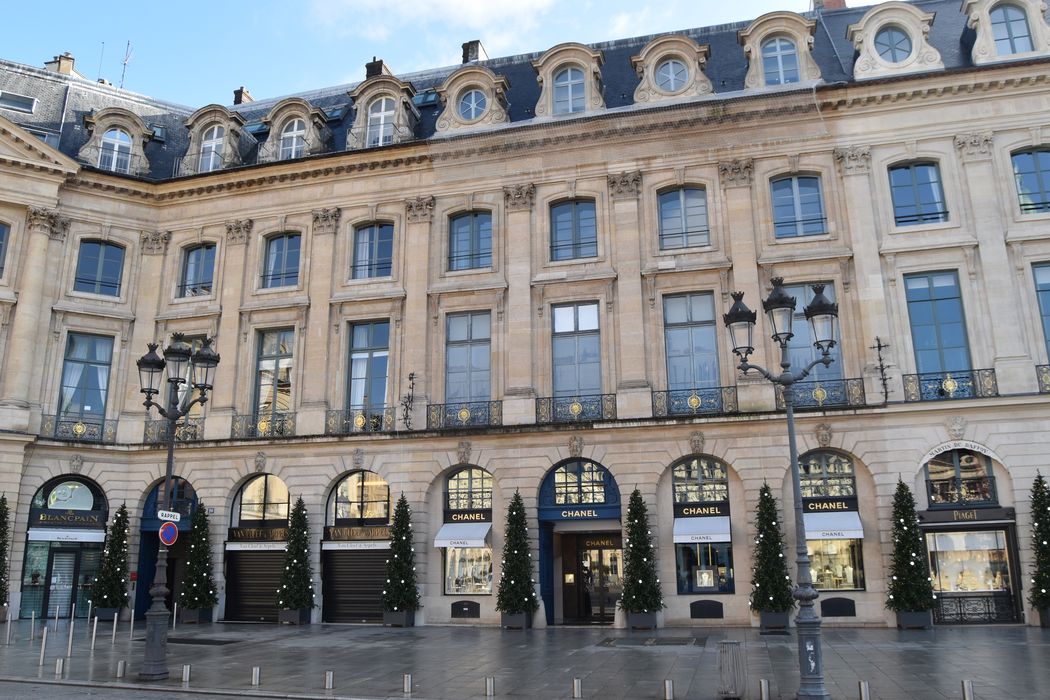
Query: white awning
47	534
463	535
714	529
833	526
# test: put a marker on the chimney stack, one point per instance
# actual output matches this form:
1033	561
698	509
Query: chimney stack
829	4
242	96
375	67
61	64
473	51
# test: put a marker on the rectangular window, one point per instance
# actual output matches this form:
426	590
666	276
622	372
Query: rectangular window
1042	290
574	230
369	357
576	350
373	251
198	267
836	564
690	341
85	377
800	348
1032	177
5	230
273	395
99	268
17	103
468	570
798	207
969	561
938	326
704	568
918	197
470	241
467	358
683	219
282	261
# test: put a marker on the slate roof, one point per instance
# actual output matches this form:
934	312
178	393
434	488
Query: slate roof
63	101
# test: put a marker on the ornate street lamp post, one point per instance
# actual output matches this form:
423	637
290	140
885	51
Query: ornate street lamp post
178	358
822	315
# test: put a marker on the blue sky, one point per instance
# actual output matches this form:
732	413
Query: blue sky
195	53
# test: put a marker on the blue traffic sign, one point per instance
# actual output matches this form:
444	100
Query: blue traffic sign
169	532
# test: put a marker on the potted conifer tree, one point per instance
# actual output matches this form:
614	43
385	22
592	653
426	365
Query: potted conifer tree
910	593
109	592
197	596
641	597
401	597
516	599
1039	594
770	583
5	548
295	595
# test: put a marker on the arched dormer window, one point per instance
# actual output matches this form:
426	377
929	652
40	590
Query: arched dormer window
116	143
115	154
570	80
472	96
891	39
211	149
293	139
779	48
262	502
362	498
217	140
1007	29
384	113
380	122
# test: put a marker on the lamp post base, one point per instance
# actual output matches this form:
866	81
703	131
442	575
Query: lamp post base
155	663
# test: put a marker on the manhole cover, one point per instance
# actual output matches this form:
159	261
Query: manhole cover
652	642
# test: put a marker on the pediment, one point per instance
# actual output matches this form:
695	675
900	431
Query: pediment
20	148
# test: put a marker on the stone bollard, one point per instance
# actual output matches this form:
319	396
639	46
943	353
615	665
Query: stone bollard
668	689
864	692
43	645
69	640
122	668
577	688
94	631
763	689
185	673
406	684
329	680
32	626
7	639
490	687
60	664
731	669
256	675
967	690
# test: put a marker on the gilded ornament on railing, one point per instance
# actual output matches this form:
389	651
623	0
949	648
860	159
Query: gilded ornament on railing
1043	375
463	415
359	421
950	385
693	401
575	408
820	395
263	426
911	387
79	429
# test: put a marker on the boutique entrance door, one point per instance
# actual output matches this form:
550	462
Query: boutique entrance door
592	578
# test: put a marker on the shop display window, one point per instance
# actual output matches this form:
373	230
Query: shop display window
468	570
836	565
704	568
963	562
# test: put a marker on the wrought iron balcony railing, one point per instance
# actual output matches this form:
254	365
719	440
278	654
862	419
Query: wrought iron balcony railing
711	401
360	419
375	136
1042	375
460	415
79	429
825	393
186	430
263	426
942	386
571	409
950	493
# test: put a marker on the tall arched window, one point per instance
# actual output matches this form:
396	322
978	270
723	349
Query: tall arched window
380	122
960	477
263	502
700	479
469	488
827	475
115	153
569	91
69	493
582	481
181	499
211	149
780	61
361	498
293	139
1010	29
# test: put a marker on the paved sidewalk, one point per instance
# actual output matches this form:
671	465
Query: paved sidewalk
452	662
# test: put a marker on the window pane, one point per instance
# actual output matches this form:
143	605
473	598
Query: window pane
588	314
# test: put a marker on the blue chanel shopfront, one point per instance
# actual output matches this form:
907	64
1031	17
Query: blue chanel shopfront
581	555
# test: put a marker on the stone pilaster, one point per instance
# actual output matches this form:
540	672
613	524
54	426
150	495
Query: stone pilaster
419	320
231	379
519	404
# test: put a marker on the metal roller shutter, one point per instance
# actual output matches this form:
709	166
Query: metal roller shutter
353	585
252	579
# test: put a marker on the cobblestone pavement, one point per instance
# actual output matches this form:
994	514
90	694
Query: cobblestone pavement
1005	663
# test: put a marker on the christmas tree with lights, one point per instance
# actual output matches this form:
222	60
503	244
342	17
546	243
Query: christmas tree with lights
770	581
400	594
1039	593
198	580
910	585
517	590
296	591
110	589
5	548
641	586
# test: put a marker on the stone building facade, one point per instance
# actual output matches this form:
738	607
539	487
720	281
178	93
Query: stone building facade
510	275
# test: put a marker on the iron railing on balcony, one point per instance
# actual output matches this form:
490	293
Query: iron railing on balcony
263	426
360	419
969	491
824	393
942	386
79	429
1042	375
711	401
186	430
572	409
375	136
461	415
116	161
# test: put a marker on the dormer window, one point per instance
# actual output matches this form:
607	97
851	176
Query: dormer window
1010	29
293	139
471	97
1007	31
779	61
893	44
115	153
568	91
211	149
669	67
472	105
893	39
671	75
380	122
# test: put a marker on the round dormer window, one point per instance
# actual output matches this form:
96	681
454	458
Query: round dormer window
472	105
893	44
671	75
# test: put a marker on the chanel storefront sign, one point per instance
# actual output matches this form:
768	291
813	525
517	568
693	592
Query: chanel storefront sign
483	515
829	505
701	510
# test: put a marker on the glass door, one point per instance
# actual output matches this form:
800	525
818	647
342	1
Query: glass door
601	572
61	582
